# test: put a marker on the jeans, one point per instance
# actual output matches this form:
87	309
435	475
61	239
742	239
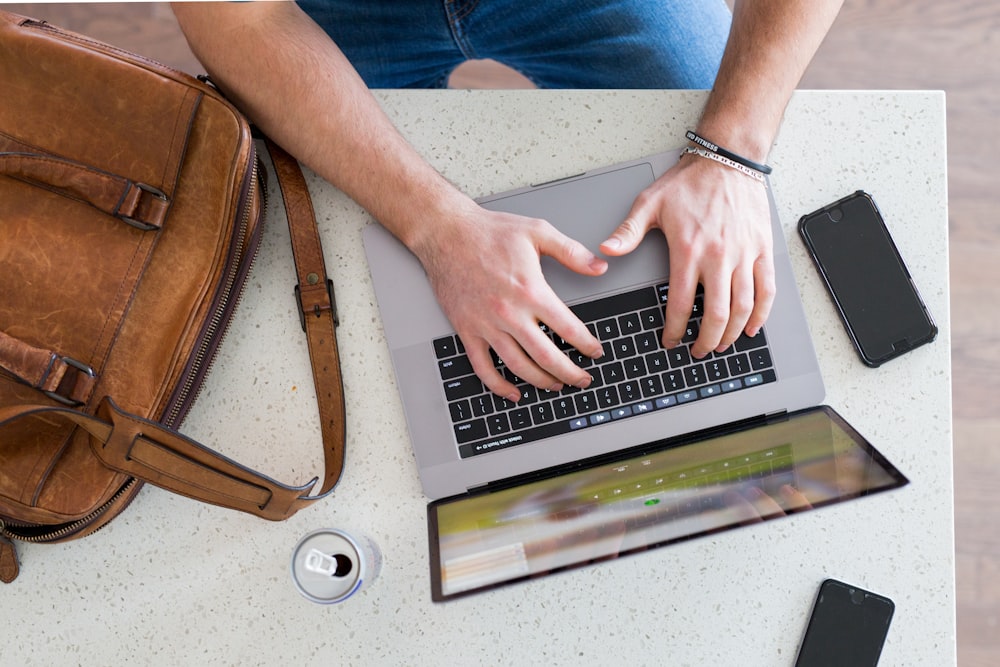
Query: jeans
555	44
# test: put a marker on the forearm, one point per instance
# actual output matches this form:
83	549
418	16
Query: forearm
297	86
770	45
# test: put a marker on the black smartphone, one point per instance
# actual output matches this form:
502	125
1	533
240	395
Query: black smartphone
867	278
848	627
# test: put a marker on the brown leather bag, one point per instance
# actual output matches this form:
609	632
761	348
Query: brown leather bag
131	206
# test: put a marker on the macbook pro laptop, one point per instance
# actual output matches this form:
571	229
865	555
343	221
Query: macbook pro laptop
469	443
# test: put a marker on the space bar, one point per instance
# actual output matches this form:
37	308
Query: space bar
511	439
612	306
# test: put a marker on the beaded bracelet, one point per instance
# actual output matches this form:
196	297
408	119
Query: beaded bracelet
743	169
719	150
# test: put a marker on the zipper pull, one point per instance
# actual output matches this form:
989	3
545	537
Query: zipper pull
8	561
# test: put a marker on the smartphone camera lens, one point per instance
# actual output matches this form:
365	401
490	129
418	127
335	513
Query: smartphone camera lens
835	214
857	597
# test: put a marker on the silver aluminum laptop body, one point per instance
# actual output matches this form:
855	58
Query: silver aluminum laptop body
587	207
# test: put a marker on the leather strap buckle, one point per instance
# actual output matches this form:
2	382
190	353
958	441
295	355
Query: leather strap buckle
162	201
317	308
78	365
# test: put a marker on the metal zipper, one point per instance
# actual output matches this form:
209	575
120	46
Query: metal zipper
9	529
211	337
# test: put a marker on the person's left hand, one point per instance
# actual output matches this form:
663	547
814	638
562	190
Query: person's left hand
717	224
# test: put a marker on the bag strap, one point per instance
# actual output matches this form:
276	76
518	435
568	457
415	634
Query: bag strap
161	456
137	204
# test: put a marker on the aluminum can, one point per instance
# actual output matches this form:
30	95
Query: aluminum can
330	565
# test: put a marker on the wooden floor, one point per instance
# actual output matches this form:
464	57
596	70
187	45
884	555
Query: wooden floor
890	44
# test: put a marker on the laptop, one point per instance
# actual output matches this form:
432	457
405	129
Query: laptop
468	442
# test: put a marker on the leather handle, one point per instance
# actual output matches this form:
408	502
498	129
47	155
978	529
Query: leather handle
137	204
159	455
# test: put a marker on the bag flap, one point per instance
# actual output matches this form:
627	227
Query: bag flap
51	91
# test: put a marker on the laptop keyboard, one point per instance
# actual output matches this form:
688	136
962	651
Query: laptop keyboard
636	375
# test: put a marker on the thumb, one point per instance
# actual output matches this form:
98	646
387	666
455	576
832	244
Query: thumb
630	233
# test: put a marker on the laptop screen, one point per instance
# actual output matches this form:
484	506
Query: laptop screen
669	492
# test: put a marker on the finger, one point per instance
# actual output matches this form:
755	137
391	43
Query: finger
715	316
740	307
764	292
552	361
680	302
570	253
482	364
525	356
630	233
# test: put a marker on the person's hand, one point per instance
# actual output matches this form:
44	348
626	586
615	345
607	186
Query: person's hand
717	225
485	270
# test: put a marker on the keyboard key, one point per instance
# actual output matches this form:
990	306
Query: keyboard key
482	405
744	342
445	347
657	362
624	348
679	357
651	386
716	370
646	342
454	367
607	397
630	391
497	424
585	402
738	364
635	368
613	372
469	431
687	396
620	413
462	388
695	375
520	418
760	359
612	306
541	414
460	411
600	418
629	324
673	380
651	318
710	390
608	329
529	394
563	408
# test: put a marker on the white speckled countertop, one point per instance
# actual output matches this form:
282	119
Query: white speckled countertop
174	582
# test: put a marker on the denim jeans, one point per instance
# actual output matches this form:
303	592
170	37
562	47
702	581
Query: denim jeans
556	44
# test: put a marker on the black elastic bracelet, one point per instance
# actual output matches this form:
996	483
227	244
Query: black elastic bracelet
719	150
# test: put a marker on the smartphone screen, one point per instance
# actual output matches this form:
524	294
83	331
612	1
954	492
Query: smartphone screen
867	278
848	627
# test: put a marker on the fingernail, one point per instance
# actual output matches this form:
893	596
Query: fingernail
556	387
583	384
613	243
513	396
598	264
670	344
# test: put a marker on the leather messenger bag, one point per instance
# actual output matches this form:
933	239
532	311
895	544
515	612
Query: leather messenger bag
131	206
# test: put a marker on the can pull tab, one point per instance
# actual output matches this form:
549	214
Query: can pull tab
337	565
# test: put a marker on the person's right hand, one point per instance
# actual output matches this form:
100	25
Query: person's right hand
485	269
